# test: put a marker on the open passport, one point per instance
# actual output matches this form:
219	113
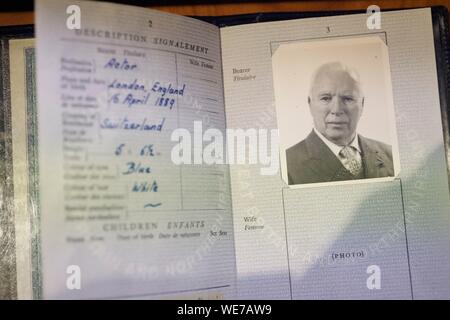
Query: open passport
272	156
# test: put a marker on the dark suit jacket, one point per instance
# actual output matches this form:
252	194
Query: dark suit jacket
312	161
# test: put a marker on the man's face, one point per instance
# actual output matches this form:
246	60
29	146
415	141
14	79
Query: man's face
336	105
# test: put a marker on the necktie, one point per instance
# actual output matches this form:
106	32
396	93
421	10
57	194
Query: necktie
351	160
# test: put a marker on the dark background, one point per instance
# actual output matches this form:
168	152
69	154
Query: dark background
16	12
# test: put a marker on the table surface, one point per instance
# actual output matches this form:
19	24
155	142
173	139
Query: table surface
237	7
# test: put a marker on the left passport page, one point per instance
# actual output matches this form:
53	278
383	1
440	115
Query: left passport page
119	219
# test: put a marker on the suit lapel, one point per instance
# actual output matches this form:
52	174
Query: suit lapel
322	161
374	162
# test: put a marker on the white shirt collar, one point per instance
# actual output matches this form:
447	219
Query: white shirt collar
334	147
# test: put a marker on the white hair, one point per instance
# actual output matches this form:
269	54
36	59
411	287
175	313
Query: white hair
336	67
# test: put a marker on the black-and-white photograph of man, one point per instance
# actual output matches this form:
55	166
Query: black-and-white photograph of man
334	148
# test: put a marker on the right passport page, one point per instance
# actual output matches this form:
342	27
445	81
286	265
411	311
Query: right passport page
322	234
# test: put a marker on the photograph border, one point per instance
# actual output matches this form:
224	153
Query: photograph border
395	146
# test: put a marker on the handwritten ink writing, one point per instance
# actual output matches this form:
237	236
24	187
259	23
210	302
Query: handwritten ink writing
125	124
113	63
136	167
147	150
145	187
152	205
119	149
134	85
160	88
129	100
164	102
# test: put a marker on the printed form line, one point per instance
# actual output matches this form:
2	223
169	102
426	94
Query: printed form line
168	292
137	47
